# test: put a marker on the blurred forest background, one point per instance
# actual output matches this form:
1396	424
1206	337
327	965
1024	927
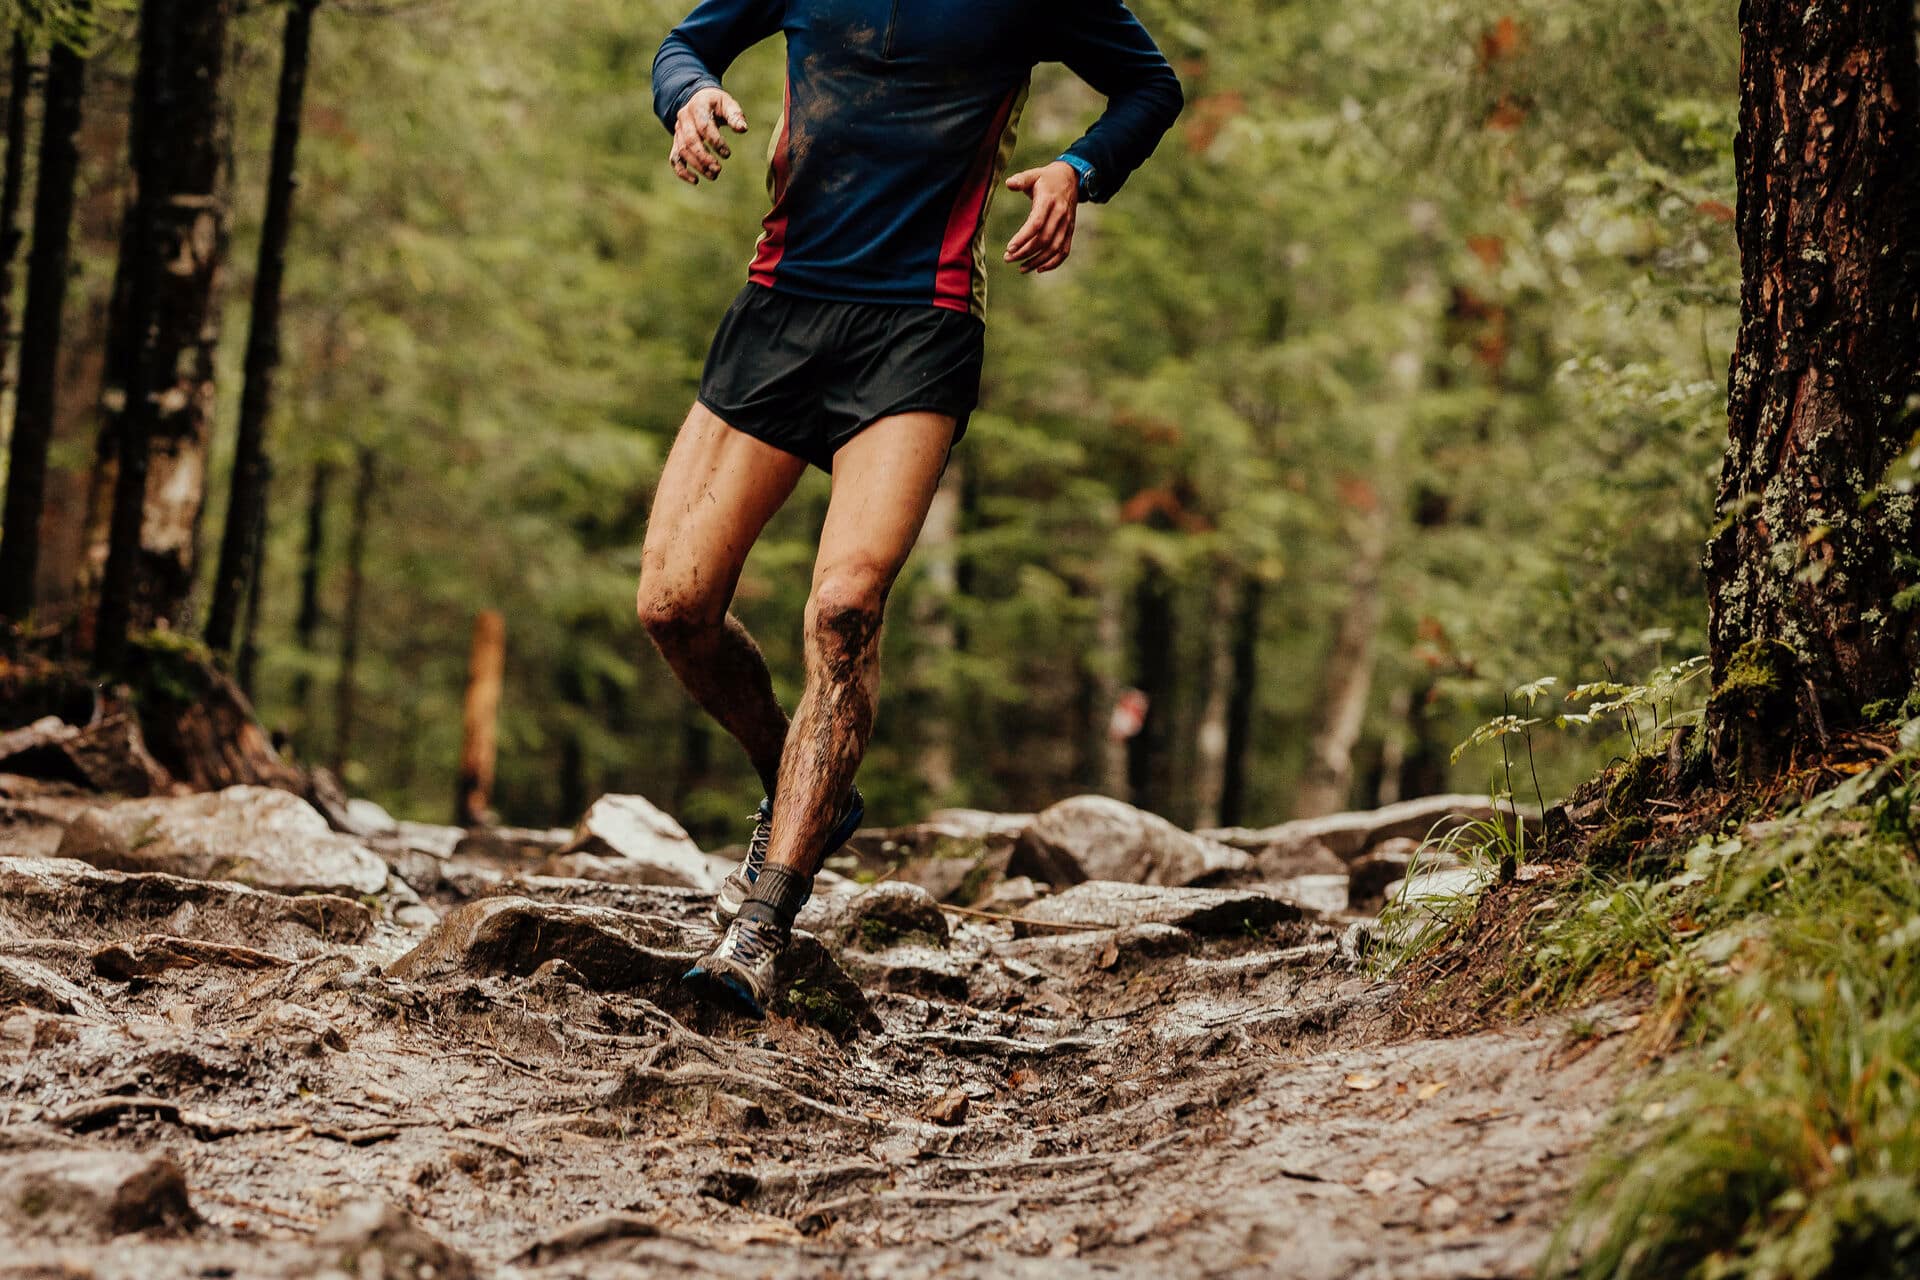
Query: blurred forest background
1395	380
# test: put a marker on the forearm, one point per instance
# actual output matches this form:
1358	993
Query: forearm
678	73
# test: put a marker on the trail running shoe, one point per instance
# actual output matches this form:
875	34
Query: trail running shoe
739	972
739	883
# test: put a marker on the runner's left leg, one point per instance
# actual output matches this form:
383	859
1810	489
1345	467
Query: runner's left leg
883	481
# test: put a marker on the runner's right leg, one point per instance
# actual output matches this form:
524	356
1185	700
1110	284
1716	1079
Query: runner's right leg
717	492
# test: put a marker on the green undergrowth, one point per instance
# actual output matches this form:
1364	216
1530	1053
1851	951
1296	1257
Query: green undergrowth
1779	1138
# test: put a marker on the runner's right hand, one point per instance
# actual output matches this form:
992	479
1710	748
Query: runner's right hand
698	145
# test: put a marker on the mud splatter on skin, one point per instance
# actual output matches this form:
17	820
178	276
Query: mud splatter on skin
831	729
721	667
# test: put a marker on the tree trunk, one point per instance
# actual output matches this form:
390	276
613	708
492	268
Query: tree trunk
247	503
12	184
1808	624
1150	752
1242	700
1210	731
1340	712
173	249
480	723
40	334
1110	646
249	651
346	693
306	624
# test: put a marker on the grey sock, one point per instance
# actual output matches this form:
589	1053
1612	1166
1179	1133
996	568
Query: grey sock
777	896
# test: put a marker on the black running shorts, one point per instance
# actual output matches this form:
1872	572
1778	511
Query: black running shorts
807	375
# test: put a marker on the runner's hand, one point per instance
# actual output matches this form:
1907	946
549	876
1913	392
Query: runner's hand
1046	238
698	145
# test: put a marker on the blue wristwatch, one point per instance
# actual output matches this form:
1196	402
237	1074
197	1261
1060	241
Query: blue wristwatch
1086	172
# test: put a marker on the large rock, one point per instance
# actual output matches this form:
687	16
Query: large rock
1207	912
375	1238
629	841
616	951
68	1194
253	835
58	897
1100	838
1348	835
886	915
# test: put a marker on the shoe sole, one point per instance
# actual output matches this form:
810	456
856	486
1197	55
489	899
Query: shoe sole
724	990
836	841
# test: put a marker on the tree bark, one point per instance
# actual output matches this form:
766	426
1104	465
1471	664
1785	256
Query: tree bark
480	724
1150	752
248	654
1347	676
246	506
306	623
346	692
47	264
174	247
1210	731
1242	700
12	184
1808	623
1110	645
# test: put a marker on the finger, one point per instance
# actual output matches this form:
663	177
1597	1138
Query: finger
694	151
729	110
680	169
1024	238
1024	180
710	134
1057	261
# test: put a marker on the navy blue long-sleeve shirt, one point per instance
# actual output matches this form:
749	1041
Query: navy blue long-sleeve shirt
899	121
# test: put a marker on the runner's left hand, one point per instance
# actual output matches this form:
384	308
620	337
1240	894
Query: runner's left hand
1046	238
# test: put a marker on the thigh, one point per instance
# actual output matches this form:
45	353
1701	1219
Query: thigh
884	480
717	492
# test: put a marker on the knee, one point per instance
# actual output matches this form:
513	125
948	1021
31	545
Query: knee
674	619
843	614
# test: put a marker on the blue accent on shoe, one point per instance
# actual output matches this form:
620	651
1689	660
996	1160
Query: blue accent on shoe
730	989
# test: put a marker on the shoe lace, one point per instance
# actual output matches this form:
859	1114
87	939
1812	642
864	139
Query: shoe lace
758	842
749	943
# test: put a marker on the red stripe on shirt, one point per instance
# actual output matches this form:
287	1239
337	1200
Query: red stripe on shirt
953	281
773	243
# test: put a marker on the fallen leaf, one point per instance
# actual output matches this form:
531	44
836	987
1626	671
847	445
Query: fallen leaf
1109	955
1360	1084
1430	1088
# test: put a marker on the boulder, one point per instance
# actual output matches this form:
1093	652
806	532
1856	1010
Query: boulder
1348	835
616	951
1205	912
47	897
885	915
253	835
649	846
72	1194
1388	862
1324	895
375	1238
1100	838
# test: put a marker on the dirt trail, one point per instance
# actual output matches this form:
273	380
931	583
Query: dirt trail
530	1094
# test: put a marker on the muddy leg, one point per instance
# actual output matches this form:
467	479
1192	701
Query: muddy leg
883	480
719	489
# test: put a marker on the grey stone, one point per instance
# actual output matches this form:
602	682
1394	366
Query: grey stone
652	847
376	1238
252	835
616	951
1206	912
1100	838
876	918
1348	835
68	1194
41	896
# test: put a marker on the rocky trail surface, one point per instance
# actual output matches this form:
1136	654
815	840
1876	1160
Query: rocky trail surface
238	1038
